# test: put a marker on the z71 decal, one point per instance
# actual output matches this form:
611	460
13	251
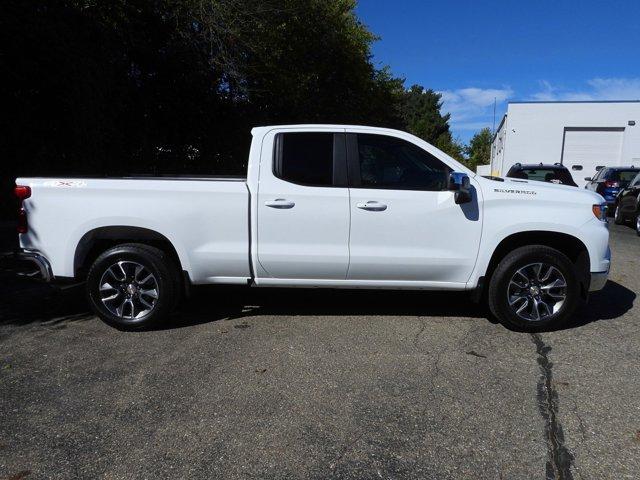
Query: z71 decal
66	183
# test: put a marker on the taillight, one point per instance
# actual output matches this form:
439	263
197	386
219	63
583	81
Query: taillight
611	184
22	192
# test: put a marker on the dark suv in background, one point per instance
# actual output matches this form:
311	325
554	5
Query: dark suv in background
608	182
627	209
556	173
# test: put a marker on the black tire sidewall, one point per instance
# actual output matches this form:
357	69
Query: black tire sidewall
518	259
617	216
152	259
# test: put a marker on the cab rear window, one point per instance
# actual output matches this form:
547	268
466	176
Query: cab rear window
624	176
546	175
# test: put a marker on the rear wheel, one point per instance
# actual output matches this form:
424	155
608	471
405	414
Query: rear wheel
133	286
638	224
534	288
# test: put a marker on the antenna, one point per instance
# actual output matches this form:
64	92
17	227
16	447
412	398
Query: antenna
493	131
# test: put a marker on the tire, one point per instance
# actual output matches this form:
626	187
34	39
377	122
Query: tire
133	286
638	224
522	263
617	216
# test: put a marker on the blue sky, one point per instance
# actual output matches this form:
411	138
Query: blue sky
473	51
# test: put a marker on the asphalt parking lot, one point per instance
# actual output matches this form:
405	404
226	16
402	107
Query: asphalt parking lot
321	384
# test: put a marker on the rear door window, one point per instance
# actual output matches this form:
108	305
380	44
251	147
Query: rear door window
305	158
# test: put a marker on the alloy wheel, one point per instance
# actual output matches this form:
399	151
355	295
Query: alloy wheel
128	290
536	291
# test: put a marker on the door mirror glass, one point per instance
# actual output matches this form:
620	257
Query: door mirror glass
460	184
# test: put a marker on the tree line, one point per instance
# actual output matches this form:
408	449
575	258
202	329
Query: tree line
94	87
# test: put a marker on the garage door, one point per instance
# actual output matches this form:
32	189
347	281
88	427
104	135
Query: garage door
586	148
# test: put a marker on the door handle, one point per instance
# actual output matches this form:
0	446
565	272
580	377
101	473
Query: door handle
280	203
372	206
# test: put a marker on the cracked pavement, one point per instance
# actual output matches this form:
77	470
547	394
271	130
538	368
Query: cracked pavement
321	384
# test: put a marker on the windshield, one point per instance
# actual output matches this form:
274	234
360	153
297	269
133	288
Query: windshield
551	175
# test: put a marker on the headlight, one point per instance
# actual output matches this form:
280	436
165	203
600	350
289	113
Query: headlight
600	211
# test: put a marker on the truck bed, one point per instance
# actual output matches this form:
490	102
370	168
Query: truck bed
205	218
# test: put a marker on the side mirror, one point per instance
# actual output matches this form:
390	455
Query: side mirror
460	184
588	179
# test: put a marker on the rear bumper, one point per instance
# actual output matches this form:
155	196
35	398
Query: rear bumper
29	264
598	280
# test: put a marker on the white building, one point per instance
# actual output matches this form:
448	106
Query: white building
580	135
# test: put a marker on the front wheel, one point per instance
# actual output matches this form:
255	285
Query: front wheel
133	286
534	288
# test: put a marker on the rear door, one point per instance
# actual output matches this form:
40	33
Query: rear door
405	224
303	206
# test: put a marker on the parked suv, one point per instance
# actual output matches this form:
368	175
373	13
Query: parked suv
608	182
556	173
628	204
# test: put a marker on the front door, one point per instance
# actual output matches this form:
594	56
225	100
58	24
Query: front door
303	206
405	224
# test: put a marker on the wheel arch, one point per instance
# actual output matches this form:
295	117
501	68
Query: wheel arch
568	244
98	240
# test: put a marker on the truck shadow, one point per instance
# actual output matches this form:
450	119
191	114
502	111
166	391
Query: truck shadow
208	304
612	302
211	304
24	302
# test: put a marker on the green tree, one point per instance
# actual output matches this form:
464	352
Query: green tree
453	147
479	149
420	111
127	86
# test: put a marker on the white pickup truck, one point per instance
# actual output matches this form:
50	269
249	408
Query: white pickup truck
322	206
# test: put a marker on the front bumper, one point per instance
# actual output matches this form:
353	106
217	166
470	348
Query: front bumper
25	263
